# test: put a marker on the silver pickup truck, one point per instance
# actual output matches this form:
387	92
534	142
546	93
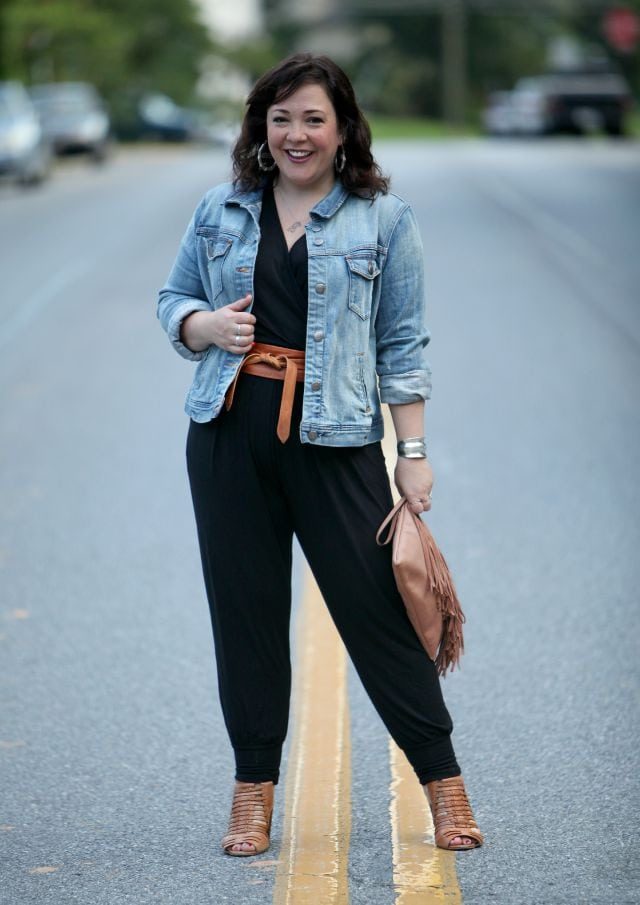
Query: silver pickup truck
573	101
570	101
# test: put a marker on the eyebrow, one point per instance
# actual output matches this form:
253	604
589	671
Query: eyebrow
285	110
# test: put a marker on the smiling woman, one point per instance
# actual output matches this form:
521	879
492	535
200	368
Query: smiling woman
303	138
299	290
307	99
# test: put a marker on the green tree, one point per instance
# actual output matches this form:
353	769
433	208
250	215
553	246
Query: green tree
123	48
167	44
252	57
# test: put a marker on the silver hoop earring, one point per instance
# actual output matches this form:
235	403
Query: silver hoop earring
261	164
340	164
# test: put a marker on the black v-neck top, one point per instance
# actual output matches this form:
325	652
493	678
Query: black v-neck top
280	283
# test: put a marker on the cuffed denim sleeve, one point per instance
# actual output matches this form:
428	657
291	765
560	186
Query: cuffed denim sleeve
183	292
404	374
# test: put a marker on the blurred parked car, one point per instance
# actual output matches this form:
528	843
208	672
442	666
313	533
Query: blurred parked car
497	116
574	101
25	154
530	107
74	118
161	119
221	132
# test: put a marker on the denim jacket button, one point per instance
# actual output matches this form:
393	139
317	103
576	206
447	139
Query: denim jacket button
316	385
318	335
370	267
320	288
313	435
318	241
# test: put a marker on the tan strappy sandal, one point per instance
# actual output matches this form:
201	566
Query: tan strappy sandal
452	815
250	820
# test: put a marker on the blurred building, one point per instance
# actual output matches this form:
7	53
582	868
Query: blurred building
321	26
229	23
236	21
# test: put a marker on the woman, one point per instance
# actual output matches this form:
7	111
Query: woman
299	290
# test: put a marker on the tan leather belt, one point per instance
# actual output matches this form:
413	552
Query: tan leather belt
277	363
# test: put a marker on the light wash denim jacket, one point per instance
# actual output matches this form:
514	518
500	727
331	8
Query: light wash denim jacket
366	332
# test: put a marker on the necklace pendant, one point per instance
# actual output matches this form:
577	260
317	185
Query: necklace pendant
294	226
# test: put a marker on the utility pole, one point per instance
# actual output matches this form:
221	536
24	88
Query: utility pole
454	61
453	25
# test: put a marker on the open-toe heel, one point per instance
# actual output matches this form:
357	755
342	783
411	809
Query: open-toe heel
250	820
452	814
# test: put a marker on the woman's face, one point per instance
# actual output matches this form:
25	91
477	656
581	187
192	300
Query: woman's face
303	137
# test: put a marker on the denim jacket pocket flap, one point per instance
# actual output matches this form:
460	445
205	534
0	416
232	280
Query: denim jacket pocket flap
362	273
216	244
217	248
364	267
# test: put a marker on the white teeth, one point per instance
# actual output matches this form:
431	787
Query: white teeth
299	153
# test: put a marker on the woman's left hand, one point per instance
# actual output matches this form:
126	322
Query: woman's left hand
414	480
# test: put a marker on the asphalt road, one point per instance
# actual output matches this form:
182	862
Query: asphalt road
115	772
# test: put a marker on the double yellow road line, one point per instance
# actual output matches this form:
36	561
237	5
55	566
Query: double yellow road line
313	861
312	867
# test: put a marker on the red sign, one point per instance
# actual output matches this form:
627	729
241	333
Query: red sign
621	27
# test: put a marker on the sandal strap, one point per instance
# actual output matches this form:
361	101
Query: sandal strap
250	818
452	814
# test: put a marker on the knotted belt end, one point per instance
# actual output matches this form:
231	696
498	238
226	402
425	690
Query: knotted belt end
275	363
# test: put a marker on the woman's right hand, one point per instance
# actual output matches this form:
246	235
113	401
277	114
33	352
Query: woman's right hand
231	328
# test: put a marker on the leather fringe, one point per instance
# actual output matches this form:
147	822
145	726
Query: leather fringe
441	583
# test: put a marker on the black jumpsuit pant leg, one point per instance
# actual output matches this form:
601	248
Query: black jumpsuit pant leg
250	494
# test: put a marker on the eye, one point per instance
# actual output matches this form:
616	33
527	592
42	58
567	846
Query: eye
315	119
279	119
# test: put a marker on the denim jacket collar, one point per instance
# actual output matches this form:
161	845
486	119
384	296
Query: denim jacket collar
332	202
250	200
325	208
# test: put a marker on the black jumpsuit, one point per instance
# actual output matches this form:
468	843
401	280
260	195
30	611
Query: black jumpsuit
250	494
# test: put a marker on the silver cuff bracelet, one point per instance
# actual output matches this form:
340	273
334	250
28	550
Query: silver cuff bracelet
412	448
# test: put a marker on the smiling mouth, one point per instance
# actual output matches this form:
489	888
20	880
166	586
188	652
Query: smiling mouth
298	155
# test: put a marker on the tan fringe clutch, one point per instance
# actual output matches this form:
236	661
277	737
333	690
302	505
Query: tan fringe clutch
425	585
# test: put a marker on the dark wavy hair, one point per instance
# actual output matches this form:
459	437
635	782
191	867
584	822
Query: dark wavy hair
361	173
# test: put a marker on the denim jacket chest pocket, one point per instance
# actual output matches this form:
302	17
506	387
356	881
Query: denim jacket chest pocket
363	271
216	249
